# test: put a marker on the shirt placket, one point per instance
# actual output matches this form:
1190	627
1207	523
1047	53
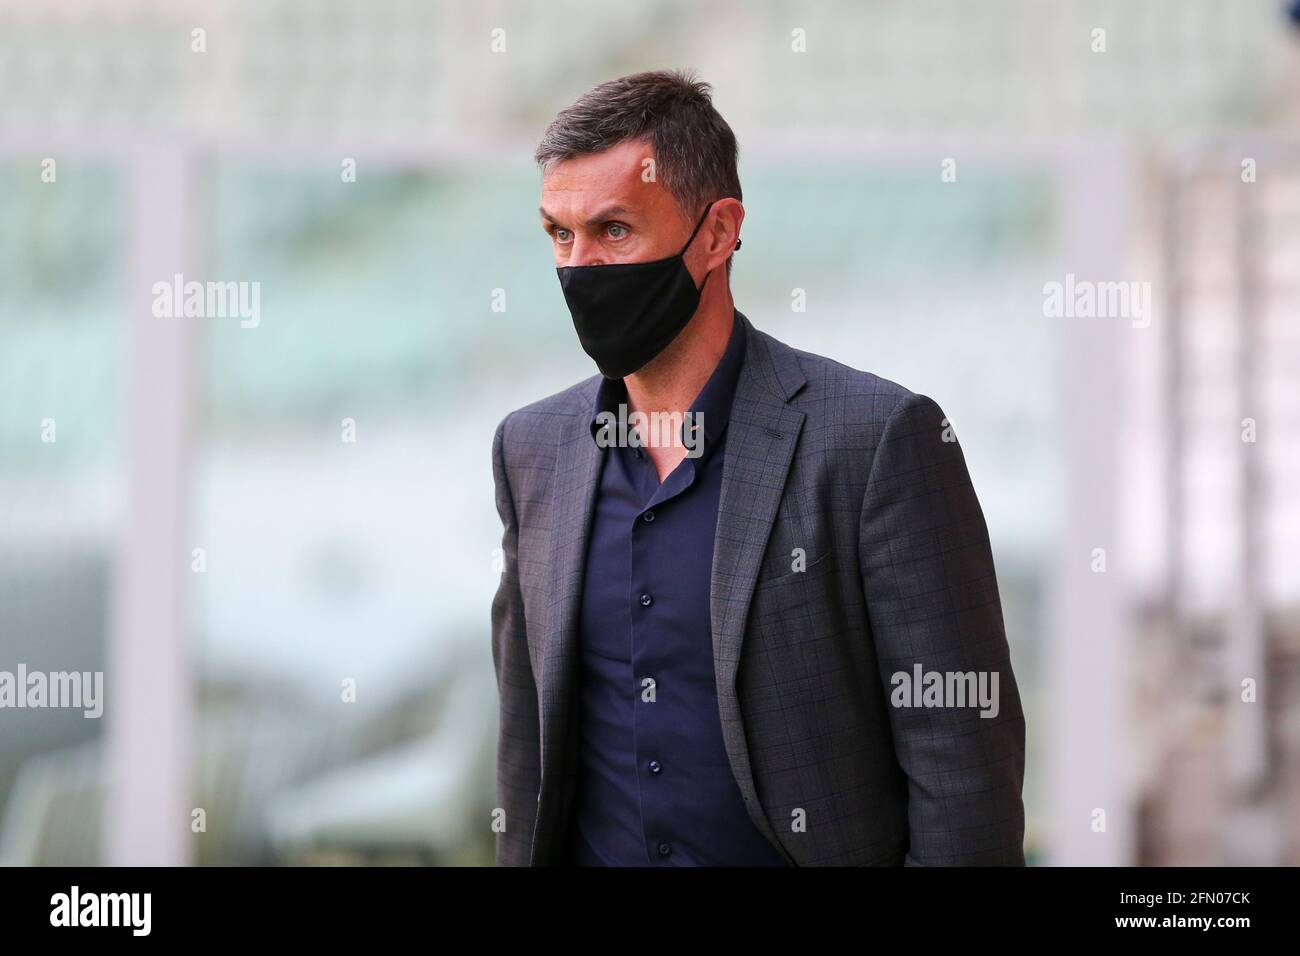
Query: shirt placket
651	582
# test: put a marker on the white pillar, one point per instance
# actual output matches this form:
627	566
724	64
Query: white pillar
149	742
1089	743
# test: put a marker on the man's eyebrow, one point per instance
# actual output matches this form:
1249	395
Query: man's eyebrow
603	216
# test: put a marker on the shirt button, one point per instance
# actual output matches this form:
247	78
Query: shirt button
648	516
646	600
655	766
665	849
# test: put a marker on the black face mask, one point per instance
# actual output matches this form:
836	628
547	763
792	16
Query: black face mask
628	312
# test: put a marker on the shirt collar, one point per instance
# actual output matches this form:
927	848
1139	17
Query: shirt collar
712	404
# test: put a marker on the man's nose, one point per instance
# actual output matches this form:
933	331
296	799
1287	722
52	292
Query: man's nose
585	252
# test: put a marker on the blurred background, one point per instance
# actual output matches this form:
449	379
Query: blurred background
278	541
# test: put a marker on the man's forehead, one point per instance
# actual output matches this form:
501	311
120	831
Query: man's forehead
611	177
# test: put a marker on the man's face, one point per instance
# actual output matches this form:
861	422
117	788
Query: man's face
598	210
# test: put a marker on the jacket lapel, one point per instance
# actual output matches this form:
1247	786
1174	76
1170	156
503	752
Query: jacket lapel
577	467
762	432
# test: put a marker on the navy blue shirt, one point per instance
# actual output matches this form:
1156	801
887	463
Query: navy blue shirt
654	784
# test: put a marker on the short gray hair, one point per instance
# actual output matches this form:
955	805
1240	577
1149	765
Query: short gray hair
694	148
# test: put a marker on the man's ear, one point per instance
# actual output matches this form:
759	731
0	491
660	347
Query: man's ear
729	215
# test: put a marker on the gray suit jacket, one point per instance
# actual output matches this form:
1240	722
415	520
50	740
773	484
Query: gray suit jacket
866	478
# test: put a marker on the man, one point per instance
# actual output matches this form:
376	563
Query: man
710	647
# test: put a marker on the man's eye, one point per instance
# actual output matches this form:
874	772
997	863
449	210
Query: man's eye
562	235
616	230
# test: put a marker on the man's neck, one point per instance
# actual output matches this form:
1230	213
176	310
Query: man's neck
672	380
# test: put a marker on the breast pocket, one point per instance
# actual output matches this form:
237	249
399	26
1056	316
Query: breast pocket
785	568
786	585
